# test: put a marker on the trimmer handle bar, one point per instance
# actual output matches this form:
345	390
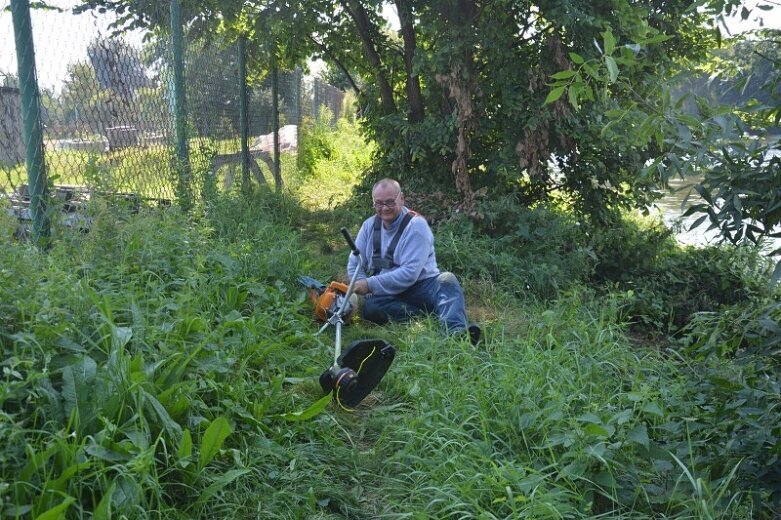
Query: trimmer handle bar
350	242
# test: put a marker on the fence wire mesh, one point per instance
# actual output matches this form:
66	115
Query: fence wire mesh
107	109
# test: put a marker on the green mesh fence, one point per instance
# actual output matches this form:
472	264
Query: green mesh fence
107	109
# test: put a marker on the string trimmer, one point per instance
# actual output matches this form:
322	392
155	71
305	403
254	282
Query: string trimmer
355	373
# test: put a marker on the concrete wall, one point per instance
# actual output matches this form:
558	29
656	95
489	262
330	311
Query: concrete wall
11	129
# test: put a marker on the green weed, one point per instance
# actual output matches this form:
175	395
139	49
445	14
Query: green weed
155	367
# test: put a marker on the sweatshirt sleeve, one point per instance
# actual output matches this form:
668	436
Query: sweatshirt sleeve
412	253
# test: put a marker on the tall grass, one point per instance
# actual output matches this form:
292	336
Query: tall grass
156	366
330	162
558	418
146	171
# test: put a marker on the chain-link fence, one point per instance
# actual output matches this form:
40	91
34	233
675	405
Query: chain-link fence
110	116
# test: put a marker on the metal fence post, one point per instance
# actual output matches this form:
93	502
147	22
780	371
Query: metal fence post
316	99
298	101
243	116
31	116
275	116
180	115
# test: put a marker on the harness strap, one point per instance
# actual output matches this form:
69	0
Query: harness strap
379	263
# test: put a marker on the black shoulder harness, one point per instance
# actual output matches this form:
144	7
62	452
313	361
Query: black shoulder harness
379	263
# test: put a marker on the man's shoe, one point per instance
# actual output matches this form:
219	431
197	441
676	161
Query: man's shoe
474	333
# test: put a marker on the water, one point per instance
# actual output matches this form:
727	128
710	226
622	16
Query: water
672	208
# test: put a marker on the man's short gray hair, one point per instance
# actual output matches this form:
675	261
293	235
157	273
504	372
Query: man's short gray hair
386	182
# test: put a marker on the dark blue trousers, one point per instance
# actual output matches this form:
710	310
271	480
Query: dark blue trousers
441	295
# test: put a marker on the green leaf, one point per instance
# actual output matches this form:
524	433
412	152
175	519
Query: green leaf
689	120
776	275
185	448
659	38
572	94
576	468
106	454
622	417
725	384
591	70
219	483
56	512
103	511
171	426
590	418
137	363
605	480
639	435
576	58
697	222
121	336
17	511
597	430
612	68
564	74
659	136
213	439
653	409
553	95
78	387
61	483
310	412
699	188
609	41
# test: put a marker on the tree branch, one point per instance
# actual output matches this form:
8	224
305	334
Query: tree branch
364	26
338	63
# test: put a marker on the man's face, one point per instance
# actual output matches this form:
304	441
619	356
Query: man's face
388	202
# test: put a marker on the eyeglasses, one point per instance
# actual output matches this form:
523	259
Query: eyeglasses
379	204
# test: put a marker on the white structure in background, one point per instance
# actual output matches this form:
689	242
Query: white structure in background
288	140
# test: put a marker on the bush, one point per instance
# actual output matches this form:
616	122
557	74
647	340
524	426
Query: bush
629	249
542	251
525	251
741	330
330	162
316	143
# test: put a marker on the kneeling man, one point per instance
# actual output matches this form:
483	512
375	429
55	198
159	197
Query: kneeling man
401	278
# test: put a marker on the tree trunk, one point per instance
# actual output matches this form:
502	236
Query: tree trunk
461	84
407	30
363	24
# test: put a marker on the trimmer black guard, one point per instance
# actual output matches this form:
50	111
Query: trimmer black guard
370	359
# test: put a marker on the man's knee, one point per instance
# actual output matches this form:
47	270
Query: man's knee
371	311
448	279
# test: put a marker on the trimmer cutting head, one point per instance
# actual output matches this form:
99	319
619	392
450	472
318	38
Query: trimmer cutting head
358	371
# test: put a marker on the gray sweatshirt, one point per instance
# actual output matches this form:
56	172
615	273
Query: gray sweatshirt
414	255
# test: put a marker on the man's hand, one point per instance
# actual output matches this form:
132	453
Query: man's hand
361	287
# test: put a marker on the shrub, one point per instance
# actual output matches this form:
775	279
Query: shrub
692	281
628	249
665	283
746	329
330	161
316	143
535	251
